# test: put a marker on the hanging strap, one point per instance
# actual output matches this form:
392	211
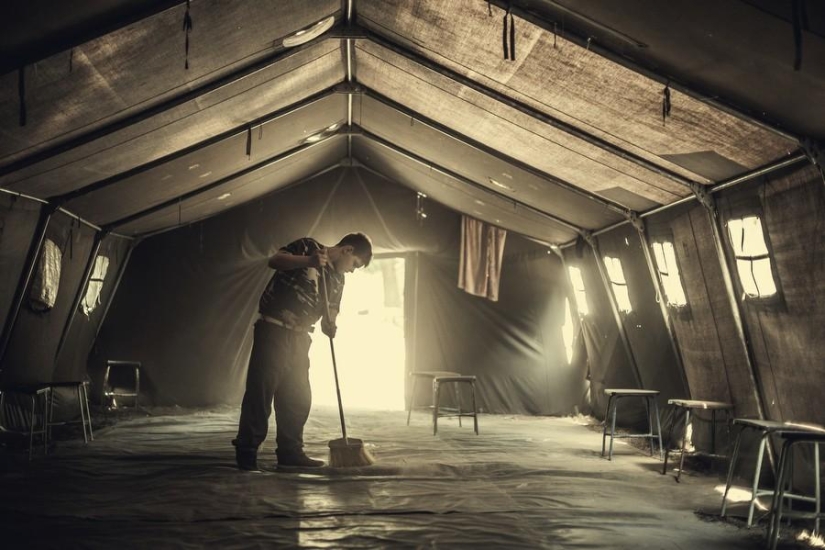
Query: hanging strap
666	102
187	28
21	92
508	40
798	8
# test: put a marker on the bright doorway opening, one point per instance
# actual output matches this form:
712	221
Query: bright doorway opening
369	345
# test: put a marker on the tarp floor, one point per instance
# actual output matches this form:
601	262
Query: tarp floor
166	478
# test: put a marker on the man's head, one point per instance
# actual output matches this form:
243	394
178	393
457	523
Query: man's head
355	251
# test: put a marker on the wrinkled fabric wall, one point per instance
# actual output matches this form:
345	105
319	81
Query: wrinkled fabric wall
71	364
18	222
30	354
714	360
189	297
645	326
514	346
788	337
608	364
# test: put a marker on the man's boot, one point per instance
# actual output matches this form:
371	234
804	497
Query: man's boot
297	459
246	457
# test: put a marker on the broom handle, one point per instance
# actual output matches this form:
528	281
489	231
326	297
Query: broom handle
334	365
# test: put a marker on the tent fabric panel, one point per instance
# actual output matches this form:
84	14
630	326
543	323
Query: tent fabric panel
514	346
477	203
71	364
788	337
480	167
30	354
574	84
714	360
143	63
281	173
209	164
608	365
18	222
645	327
279	85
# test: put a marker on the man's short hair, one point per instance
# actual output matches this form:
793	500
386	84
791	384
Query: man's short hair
361	246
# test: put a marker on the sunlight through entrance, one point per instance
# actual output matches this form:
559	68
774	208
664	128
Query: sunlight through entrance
369	345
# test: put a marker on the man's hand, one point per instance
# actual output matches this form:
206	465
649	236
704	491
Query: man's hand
328	327
319	258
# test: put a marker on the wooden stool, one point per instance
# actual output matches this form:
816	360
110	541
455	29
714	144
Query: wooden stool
445	377
811	436
690	405
649	397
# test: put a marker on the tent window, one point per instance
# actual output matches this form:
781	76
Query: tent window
669	274
43	293
578	290
753	261
567	331
92	298
618	282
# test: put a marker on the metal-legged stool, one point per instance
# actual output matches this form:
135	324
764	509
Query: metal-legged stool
813	437
445	377
82	394
690	405
649	397
122	379
35	393
765	428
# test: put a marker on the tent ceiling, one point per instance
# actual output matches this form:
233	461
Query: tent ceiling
569	136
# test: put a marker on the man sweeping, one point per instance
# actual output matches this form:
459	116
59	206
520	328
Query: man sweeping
278	373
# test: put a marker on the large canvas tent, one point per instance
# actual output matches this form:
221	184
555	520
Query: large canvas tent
185	142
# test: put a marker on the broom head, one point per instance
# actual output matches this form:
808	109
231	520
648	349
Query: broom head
349	453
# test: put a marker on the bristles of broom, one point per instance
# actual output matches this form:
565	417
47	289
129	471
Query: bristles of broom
345	452
349	453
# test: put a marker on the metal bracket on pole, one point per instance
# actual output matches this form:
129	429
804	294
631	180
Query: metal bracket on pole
814	150
636	221
590	238
703	195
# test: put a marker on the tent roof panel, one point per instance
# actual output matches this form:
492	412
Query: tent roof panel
210	164
575	85
282	84
482	168
477	203
286	171
502	127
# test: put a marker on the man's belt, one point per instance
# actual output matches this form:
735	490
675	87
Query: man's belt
276	322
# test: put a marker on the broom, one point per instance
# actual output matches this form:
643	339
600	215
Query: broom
346	452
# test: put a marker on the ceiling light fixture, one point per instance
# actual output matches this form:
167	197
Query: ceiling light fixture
309	33
501	185
224	196
323	134
420	213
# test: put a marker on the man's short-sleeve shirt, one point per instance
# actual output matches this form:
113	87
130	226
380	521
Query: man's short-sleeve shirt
293	298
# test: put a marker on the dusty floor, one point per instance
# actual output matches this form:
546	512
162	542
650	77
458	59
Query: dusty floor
167	479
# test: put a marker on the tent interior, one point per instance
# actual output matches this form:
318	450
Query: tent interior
563	197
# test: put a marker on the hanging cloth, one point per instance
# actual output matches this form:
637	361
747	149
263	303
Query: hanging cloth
482	249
